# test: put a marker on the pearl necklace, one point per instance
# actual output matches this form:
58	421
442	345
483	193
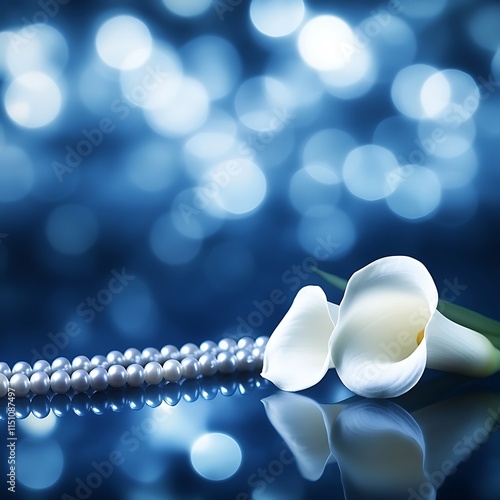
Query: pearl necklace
134	398
133	367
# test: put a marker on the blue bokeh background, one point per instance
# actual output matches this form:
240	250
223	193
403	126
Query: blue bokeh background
266	139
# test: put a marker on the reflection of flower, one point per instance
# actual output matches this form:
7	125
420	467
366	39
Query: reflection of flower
383	451
385	332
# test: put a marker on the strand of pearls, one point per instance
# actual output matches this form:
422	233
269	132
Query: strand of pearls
133	367
134	398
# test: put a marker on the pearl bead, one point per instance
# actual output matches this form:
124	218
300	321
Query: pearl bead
20	383
4	385
228	344
42	366
5	369
244	360
61	364
80	380
22	367
98	360
209	346
81	363
189	349
169	352
227	362
190	367
132	355
39	383
135	375
99	378
117	376
172	370
208	365
150	354
261	341
115	358
245	343
153	373
60	381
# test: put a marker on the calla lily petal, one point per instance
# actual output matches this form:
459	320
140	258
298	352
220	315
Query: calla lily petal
379	345
302	424
297	355
455	348
380	450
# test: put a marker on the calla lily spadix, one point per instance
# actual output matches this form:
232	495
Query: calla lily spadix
386	330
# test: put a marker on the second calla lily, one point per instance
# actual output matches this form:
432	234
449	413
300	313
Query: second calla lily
380	339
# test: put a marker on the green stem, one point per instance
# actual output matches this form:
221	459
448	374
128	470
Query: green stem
461	315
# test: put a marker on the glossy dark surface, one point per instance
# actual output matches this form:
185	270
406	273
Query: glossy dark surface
438	441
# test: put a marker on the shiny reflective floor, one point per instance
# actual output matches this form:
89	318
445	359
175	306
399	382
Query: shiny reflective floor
241	438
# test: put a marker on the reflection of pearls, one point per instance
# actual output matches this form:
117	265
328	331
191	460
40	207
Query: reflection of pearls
133	367
134	398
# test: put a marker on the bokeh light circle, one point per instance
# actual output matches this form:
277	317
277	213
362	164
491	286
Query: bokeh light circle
188	8
38	426
187	111
45	51
328	148
326	43
124	42
263	104
277	18
40	463
155	83
368	170
241	187
216	456
72	229
435	94
33	100
407	87
353	79
417	195
448	137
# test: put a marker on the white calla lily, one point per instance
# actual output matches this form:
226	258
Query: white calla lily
385	332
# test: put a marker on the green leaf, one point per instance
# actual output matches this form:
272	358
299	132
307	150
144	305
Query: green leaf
471	319
336	281
490	328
